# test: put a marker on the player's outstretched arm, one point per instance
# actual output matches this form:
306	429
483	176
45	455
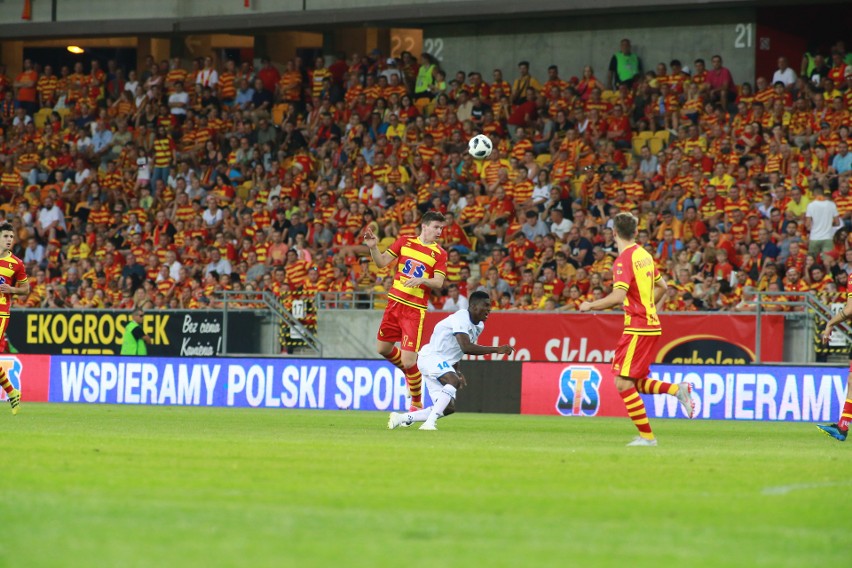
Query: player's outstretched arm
22	289
839	317
371	241
436	282
615	298
470	348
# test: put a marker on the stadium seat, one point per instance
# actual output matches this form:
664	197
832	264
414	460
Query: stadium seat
645	135
638	144
655	145
244	190
41	117
662	135
278	112
543	159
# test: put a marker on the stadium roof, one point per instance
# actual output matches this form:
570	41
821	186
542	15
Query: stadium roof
398	15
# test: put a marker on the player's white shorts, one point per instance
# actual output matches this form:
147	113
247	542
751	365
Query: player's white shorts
431	368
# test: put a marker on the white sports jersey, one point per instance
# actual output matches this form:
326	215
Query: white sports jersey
443	345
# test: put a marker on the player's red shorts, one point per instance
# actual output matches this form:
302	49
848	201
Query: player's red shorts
634	355
402	323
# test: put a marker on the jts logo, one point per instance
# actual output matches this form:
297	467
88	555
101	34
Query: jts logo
13	369
413	268
579	392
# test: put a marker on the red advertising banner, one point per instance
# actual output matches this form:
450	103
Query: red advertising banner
30	374
569	390
722	339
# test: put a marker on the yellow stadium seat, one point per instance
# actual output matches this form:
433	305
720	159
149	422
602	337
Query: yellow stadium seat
662	135
645	135
638	144
278	112
543	159
421	104
655	145
41	117
244	189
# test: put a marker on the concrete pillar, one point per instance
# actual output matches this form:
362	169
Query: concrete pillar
12	55
281	46
160	48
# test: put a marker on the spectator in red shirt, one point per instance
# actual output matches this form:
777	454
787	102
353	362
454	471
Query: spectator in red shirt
721	82
269	75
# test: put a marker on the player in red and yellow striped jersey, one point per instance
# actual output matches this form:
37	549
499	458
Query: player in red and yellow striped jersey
840	430
639	286
421	267
13	282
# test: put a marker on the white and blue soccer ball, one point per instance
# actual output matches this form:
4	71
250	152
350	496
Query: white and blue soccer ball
480	146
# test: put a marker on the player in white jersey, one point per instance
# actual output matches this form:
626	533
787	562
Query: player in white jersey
454	337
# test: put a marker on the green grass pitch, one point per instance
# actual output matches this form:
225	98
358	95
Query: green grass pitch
160	486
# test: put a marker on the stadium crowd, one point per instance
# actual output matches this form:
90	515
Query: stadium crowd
160	186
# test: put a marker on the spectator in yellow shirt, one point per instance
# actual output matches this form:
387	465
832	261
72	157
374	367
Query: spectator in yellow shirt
77	250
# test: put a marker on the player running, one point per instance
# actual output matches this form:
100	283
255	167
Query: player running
421	266
13	281
840	430
639	286
453	337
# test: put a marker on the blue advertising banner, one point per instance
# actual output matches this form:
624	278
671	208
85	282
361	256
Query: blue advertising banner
806	394
265	383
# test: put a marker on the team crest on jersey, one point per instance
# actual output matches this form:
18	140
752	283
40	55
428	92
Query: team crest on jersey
13	367
2	279
579	391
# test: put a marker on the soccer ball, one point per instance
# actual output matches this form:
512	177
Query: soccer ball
480	146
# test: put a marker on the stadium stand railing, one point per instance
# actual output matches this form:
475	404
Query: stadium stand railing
290	324
807	306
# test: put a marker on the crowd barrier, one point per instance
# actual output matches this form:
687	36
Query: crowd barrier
767	393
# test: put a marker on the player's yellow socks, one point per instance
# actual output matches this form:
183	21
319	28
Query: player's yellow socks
415	385
5	383
653	386
395	357
845	416
636	412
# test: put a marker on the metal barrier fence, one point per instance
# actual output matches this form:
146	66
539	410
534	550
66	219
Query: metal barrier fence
358	300
292	321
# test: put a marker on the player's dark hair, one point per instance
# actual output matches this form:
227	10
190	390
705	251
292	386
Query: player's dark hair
6	227
625	225
430	216
479	296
